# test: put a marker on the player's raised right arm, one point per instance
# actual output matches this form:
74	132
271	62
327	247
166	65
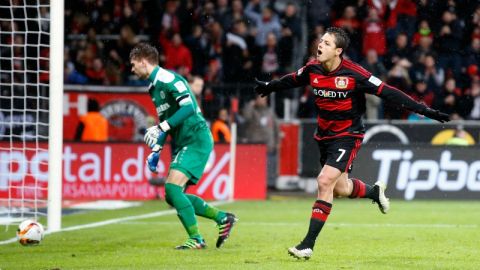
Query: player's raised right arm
292	80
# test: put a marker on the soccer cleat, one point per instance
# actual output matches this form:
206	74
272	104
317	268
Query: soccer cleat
380	198
305	253
192	243
225	228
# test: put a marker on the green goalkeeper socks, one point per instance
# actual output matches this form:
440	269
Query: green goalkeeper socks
205	210
185	210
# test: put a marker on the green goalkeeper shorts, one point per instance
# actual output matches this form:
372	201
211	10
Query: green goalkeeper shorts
192	158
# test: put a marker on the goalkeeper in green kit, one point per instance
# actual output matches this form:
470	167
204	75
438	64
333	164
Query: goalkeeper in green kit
181	118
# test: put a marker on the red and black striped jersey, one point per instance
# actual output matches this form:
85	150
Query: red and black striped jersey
340	96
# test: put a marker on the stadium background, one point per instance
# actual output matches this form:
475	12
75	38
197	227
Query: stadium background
428	48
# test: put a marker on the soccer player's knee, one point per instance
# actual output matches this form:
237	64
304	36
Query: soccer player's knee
324	182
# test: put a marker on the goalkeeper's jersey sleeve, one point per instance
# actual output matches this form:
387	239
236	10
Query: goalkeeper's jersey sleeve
176	104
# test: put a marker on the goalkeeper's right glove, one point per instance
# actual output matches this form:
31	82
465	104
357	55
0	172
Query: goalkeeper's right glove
261	88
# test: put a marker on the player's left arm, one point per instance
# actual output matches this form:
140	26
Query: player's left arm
375	86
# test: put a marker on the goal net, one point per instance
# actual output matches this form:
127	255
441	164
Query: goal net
30	160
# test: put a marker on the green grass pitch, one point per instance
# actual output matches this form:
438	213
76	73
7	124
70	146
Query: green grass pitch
414	235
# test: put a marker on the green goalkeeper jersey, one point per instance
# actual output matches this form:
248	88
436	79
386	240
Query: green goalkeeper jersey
176	104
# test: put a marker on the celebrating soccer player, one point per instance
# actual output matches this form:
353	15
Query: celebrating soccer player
180	118
339	86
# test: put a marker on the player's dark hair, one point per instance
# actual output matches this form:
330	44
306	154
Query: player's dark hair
341	38
145	51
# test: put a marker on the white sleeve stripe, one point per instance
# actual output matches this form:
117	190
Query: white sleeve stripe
185	101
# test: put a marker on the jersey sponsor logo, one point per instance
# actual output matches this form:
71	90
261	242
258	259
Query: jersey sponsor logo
315	80
161	108
375	81
341	82
330	93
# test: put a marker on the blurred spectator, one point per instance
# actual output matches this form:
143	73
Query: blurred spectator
210	103
429	72
374	33
177	56
170	19
236	56
319	12
270	63
406	16
199	47
387	13
352	26
423	48
220	129
265	22
473	103
372	64
196	85
449	43
423	30
291	33
235	13
449	100
397	77
399	51
422	93
261	126
472	53
93	126
96	72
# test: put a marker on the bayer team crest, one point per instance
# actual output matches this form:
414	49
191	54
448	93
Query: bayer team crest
341	82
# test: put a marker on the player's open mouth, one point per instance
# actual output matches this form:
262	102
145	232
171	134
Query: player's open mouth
319	52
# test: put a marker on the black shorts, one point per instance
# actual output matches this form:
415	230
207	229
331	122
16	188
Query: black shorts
339	153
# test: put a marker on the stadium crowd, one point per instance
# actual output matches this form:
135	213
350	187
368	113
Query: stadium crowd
428	48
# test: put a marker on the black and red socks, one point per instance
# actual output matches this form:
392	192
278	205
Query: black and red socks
361	190
320	211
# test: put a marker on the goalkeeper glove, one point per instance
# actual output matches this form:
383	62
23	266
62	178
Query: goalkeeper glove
435	114
261	88
152	160
154	133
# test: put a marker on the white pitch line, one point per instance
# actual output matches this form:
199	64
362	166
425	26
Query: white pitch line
364	225
113	221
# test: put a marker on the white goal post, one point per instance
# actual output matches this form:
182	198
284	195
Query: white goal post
55	138
31	111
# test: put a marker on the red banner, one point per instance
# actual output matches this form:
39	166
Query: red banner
127	113
117	171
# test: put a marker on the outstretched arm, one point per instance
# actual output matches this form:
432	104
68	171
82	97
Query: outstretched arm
291	80
395	96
